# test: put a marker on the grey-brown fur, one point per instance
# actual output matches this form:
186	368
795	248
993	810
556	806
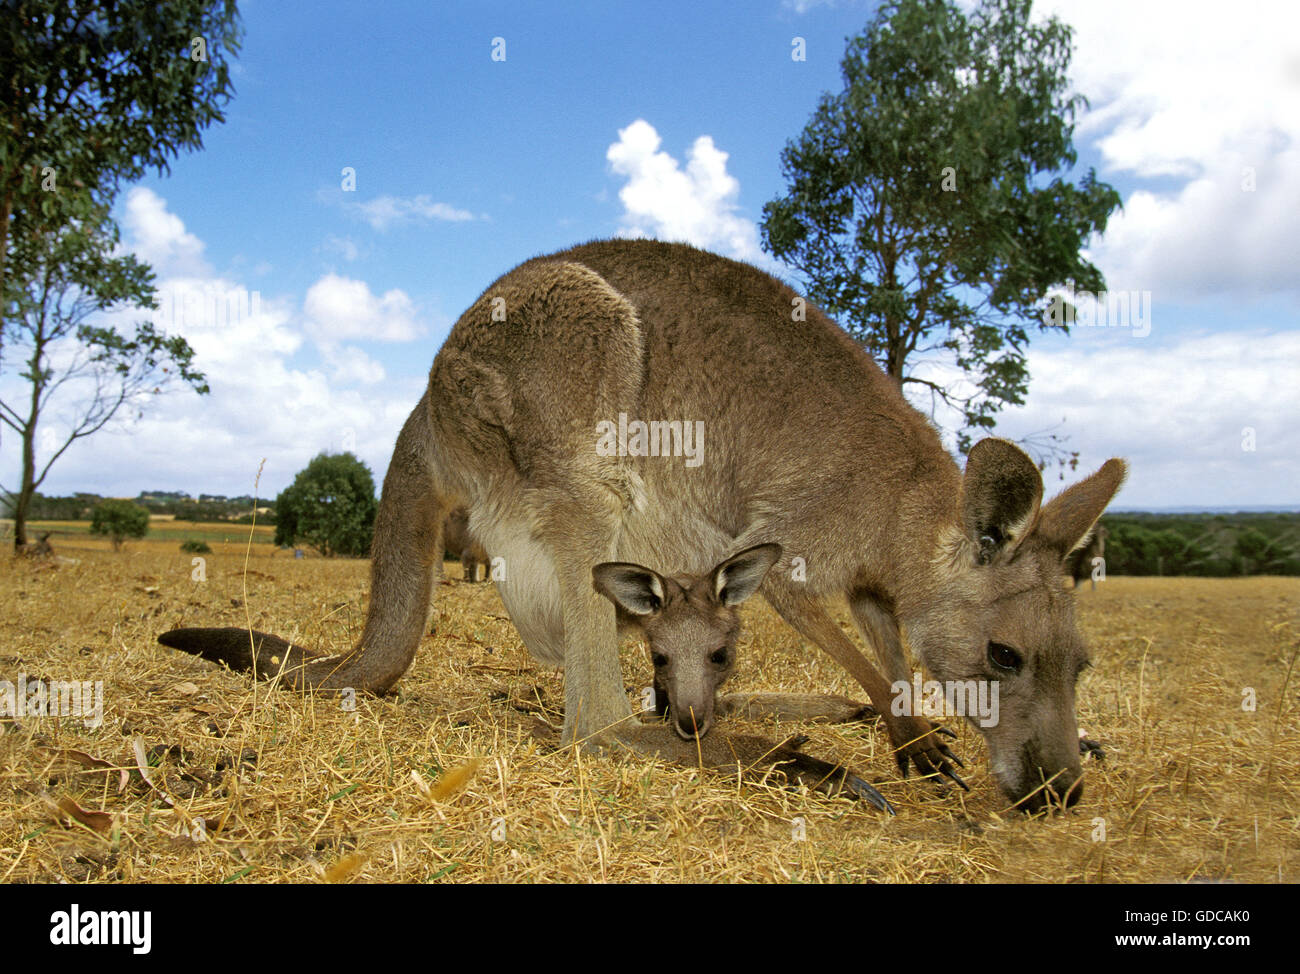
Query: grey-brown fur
1079	563
808	445
690	624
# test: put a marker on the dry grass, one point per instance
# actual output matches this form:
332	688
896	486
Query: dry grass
257	785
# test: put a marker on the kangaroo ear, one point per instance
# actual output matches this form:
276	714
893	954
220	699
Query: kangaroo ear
1067	520
1000	494
632	588
739	577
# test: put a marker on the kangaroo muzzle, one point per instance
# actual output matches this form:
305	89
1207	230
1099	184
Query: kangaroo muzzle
691	720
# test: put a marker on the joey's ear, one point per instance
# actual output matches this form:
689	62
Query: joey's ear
739	577
1000	494
632	588
1068	517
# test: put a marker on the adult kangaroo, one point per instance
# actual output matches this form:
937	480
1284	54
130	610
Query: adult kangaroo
457	542
789	434
1079	563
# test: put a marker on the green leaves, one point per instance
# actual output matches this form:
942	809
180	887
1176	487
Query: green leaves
119	519
922	207
107	88
92	93
331	505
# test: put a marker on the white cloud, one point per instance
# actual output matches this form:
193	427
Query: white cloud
1176	410
350	366
1195	92
383	212
339	308
263	403
696	205
159	237
1211	237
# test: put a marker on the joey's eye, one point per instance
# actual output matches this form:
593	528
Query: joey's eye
1004	657
659	660
719	656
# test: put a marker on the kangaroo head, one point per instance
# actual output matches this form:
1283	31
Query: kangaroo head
998	617
690	623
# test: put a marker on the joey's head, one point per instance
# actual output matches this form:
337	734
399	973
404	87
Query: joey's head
997	627
690	623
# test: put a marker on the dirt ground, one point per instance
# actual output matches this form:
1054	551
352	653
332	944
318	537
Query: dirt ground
455	776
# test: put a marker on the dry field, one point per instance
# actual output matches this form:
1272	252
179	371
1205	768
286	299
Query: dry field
258	785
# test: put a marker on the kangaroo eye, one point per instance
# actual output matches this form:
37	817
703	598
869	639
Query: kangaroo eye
719	656
659	660
1004	657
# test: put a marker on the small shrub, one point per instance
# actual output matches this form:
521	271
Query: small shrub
196	547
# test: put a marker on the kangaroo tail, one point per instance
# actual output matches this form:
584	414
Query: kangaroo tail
263	654
405	557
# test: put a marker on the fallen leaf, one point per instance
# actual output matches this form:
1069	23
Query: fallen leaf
91	762
344	868
66	808
453	780
186	689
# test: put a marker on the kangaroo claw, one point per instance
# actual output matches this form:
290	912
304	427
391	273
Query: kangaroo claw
947	771
946	751
858	788
921	746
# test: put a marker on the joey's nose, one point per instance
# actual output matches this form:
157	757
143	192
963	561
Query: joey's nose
688	725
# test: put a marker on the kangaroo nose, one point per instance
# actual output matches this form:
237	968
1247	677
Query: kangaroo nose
1066	790
1070	791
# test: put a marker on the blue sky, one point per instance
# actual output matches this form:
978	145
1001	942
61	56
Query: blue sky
668	120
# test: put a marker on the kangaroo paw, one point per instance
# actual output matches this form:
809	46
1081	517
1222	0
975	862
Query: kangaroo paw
1087	747
830	779
916	741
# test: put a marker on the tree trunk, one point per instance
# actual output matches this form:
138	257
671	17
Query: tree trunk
895	353
26	491
6	207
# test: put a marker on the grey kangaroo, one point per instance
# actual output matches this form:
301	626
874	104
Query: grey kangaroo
1079	563
691	624
457	542
799	440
